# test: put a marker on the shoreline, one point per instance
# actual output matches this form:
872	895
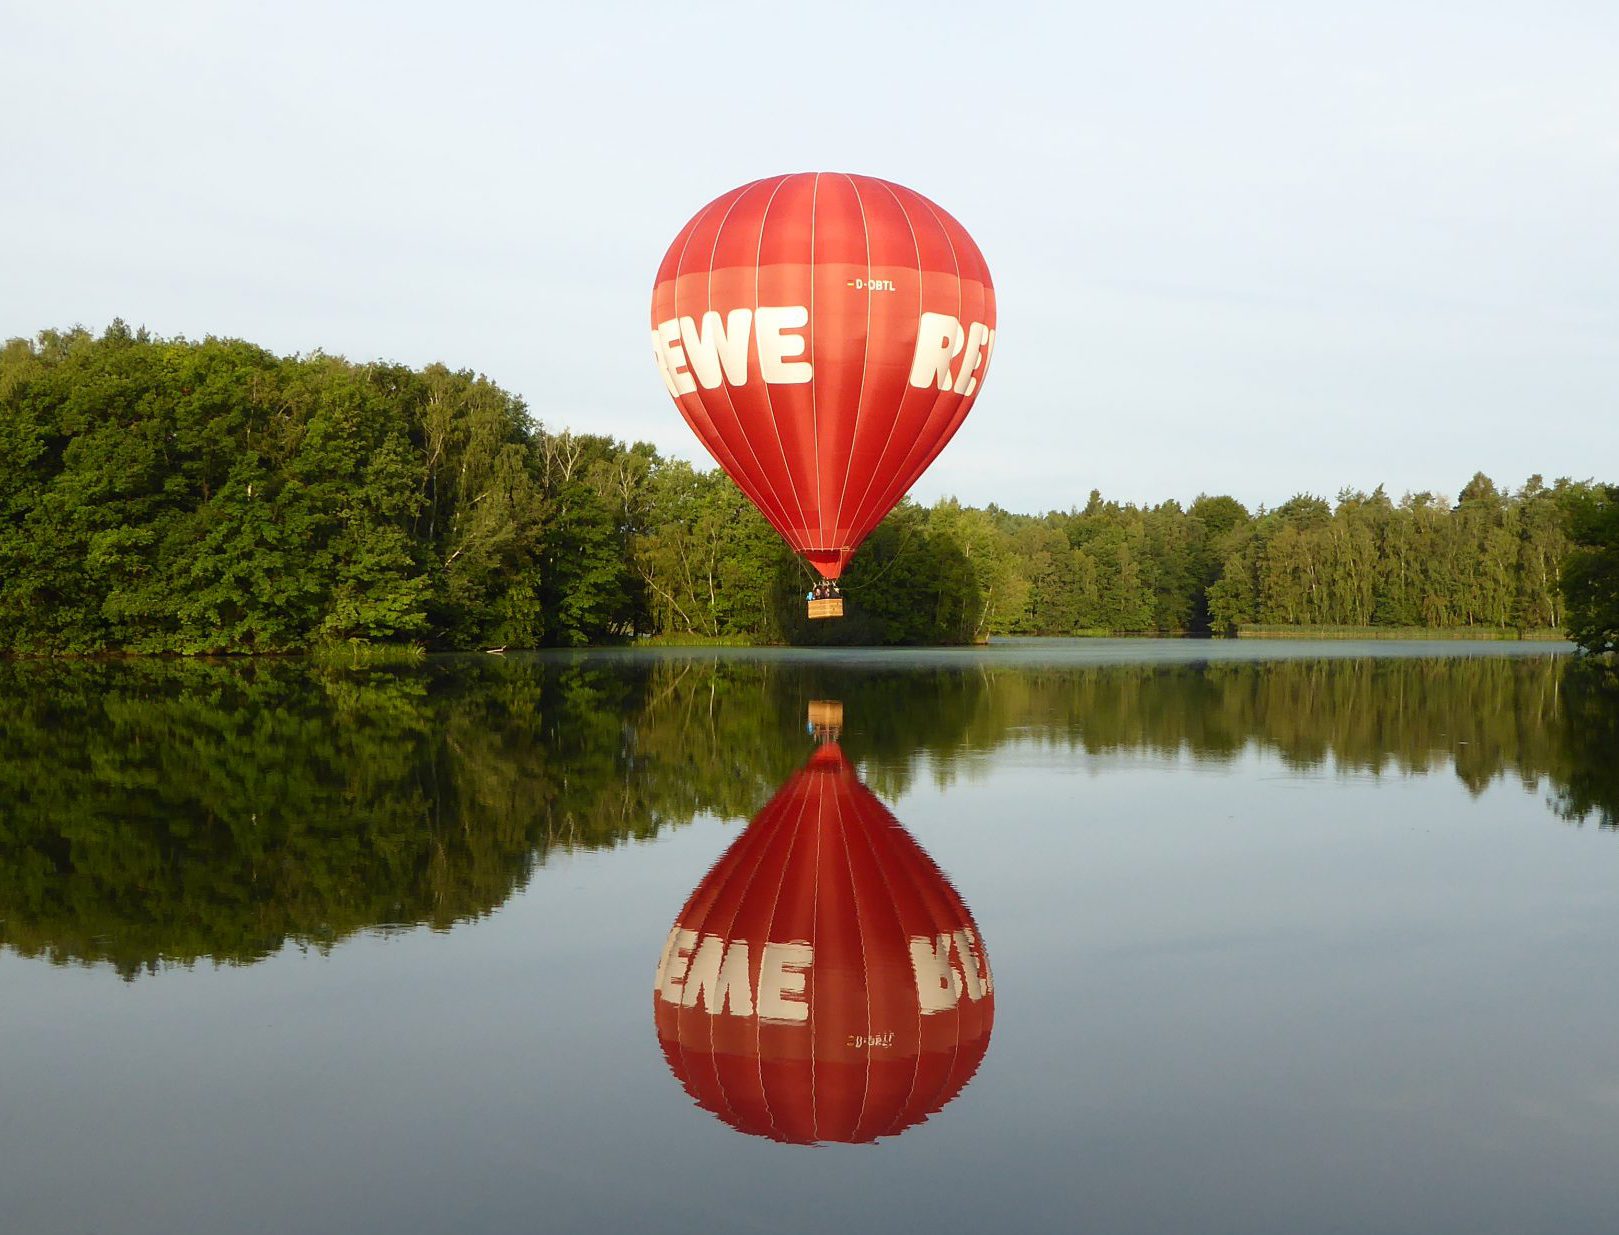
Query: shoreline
1436	633
387	655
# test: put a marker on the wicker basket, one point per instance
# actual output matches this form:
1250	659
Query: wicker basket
826	713
828	608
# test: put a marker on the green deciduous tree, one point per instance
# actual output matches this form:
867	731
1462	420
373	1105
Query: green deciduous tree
1590	576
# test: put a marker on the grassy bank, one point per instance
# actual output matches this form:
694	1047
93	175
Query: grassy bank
356	655
1256	631
690	640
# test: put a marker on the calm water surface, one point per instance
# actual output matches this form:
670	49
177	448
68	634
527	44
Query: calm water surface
1111	936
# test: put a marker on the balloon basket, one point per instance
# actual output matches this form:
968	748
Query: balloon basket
826	719
831	607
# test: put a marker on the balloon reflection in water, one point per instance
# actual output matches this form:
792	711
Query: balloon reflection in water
824	981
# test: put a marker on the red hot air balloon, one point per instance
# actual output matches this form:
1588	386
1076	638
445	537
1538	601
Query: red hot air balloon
824	982
824	335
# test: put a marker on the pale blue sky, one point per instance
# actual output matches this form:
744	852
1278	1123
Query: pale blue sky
1238	248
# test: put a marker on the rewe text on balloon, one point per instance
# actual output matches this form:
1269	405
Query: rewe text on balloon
717	350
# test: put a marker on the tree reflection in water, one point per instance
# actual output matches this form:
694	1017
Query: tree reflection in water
158	812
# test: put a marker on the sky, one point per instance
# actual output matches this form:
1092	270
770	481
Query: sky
1256	249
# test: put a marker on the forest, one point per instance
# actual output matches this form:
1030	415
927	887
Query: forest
165	495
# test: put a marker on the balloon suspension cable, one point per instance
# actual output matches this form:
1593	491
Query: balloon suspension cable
813	575
906	537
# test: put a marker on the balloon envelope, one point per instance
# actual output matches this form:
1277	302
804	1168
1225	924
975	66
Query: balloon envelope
824	335
824	981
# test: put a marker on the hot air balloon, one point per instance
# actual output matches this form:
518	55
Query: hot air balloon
824	335
824	981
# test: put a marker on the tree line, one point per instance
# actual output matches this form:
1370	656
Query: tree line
168	495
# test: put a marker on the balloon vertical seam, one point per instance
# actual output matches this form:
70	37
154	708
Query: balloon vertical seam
916	247
770	399
815	412
775	511
865	355
902	476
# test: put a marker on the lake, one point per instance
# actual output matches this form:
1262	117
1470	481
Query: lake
1111	935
